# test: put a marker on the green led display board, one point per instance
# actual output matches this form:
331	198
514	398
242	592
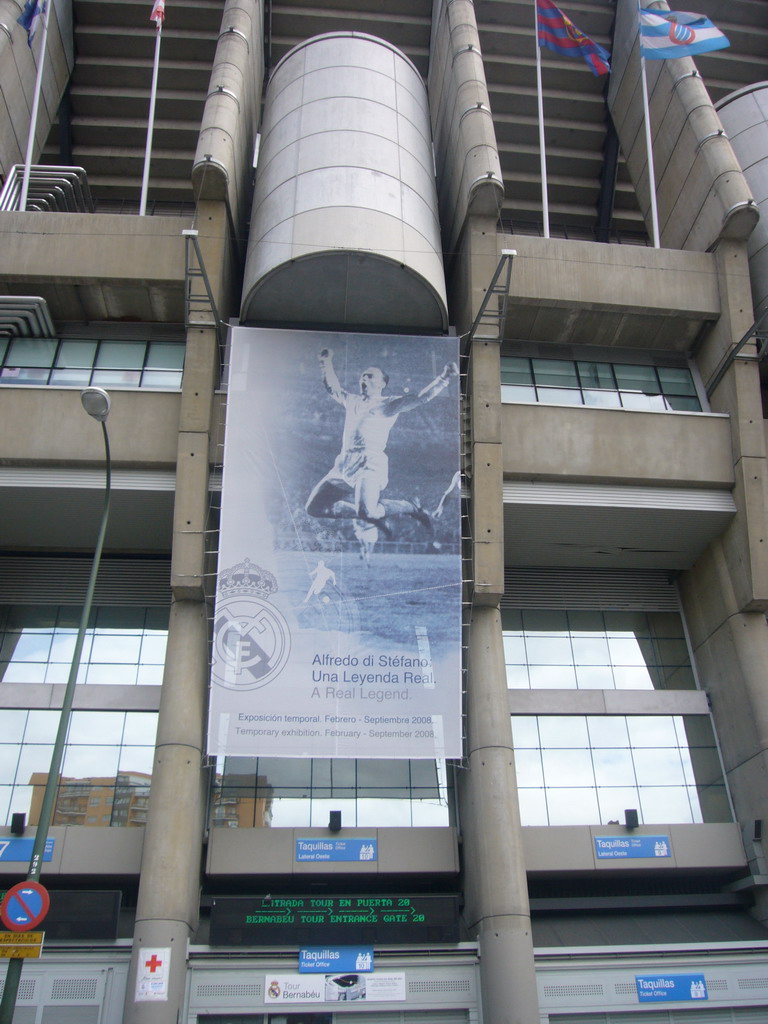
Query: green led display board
347	920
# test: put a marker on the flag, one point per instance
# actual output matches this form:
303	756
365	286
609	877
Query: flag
29	17
558	33
665	34
158	12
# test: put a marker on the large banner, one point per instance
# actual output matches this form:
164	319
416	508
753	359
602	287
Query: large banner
337	627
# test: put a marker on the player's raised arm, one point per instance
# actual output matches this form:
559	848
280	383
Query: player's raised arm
432	390
330	380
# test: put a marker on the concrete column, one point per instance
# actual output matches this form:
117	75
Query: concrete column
167	910
494	866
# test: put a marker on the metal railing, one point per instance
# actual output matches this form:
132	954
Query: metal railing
51	189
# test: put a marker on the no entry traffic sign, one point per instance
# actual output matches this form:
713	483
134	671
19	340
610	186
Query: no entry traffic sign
24	906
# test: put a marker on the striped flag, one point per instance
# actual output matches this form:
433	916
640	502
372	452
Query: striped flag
666	34
557	32
29	17
158	12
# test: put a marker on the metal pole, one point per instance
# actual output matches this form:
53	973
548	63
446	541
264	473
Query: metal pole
13	975
151	124
35	108
542	144
649	148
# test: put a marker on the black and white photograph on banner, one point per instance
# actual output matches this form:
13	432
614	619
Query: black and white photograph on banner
338	604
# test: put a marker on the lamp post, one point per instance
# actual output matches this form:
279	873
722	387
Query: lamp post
96	403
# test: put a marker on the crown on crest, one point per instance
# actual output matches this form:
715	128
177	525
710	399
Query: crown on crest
247	578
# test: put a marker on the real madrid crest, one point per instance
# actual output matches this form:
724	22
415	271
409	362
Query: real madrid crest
251	639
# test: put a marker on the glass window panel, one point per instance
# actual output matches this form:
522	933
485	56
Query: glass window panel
512	620
12	723
116	648
286	772
85	762
549	650
116	378
533	807
608	731
149	675
517	677
563	731
9	759
667	804
169	379
23	672
5	803
590	650
613	766
112	619
388	775
320	812
676	380
16	375
602	399
58	672
517	393
70	378
514	650
596	375
583	623
573	806
680	403
567	768
636	378
559	396
41	726
552	677
111	675
34	760
645	403
554	623
137	760
625	652
27	646
528	768
555	372
632	678
165	355
383	813
594	677
140	728
515	370
156	619
678	679
32	352
672	652
63	647
652	731
121	355
429	813
76	354
658	767
96	727
426	775
614	800
525	731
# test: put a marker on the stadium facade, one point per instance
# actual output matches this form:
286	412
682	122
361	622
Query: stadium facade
598	852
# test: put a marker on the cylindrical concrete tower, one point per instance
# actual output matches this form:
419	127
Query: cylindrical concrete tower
345	231
744	115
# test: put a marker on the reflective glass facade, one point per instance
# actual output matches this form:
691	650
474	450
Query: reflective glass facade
72	362
123	645
105	774
587	769
289	792
595	650
611	385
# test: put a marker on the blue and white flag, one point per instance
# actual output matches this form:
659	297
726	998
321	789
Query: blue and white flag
29	17
666	34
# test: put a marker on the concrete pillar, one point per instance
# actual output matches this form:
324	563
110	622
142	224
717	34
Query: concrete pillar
494	865
167	910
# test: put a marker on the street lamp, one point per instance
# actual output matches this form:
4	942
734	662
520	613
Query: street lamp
96	403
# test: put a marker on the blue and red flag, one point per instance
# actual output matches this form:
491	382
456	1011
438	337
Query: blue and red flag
29	17
557	32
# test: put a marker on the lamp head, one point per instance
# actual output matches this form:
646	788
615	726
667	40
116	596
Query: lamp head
96	403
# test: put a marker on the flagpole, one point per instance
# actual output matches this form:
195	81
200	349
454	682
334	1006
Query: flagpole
151	124
542	149
649	148
35	109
